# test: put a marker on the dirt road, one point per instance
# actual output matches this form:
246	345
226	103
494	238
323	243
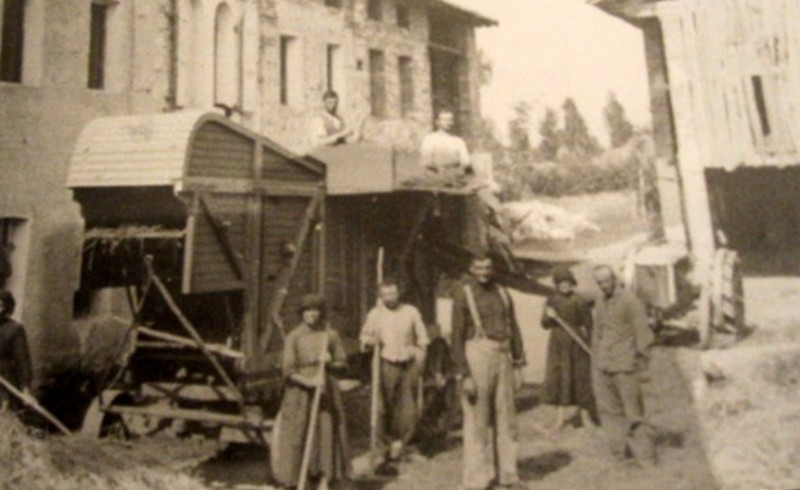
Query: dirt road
572	459
576	458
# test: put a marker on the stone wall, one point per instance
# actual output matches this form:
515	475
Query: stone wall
41	120
160	57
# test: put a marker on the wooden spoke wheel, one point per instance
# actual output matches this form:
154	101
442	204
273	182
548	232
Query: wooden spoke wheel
722	309
98	423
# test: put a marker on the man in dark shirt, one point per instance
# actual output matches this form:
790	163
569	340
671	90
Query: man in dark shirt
15	361
487	346
621	341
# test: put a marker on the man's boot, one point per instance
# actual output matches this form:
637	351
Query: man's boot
642	444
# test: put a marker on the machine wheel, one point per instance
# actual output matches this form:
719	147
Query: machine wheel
722	311
97	423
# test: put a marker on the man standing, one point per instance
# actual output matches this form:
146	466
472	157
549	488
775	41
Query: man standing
15	360
398	330
622	341
442	152
487	347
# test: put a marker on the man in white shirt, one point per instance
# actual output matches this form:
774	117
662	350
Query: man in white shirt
328	128
397	328
443	152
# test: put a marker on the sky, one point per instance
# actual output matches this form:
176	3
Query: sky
546	50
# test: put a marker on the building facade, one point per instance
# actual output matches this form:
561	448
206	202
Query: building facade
264	63
725	97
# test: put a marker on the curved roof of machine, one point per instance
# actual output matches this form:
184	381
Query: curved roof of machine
144	149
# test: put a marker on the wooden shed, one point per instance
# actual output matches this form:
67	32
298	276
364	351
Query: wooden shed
232	221
725	94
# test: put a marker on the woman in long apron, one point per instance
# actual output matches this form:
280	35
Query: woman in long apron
568	372
306	346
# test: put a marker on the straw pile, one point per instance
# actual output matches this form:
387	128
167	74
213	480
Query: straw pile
536	220
77	462
751	414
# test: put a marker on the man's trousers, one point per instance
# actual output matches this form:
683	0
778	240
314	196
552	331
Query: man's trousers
398	383
621	408
490	453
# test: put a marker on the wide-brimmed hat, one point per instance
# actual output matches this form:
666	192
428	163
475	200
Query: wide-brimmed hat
312	302
563	274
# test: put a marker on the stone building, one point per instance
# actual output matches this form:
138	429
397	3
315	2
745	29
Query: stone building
264	63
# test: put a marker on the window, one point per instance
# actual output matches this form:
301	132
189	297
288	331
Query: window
761	105
333	67
403	14
334	3
226	57
13	37
377	83
290	75
374	9
97	45
406	72
285	46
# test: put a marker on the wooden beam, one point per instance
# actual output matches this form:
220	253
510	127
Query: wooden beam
187	325
177	339
322	271
281	188
186	414
254	289
189	391
446	49
422	216
283	283
272	187
215	184
188	253
221	232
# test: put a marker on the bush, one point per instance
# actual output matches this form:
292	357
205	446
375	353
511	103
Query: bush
523	176
566	179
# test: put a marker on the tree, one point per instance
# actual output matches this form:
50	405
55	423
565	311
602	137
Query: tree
619	128
575	136
549	133
486	140
519	133
485	68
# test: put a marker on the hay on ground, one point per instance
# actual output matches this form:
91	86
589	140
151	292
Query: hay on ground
68	463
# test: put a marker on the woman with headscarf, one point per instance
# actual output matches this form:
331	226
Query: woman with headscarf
568	370
306	347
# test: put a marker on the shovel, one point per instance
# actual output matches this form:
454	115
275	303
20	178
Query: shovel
31	402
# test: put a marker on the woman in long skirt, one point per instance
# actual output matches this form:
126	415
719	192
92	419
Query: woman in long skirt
309	344
568	370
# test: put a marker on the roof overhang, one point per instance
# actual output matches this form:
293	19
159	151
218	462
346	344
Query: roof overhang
474	17
152	149
628	10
